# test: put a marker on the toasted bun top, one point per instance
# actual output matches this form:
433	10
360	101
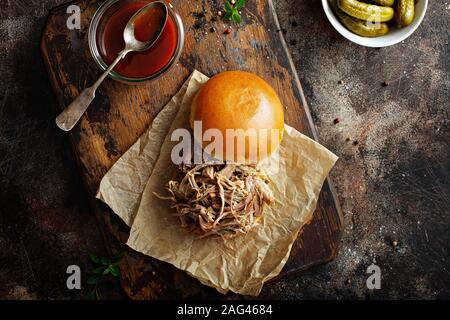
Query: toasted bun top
246	104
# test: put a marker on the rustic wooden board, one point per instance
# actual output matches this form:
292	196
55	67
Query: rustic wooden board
120	113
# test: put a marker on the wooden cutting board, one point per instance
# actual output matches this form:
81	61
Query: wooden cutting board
120	114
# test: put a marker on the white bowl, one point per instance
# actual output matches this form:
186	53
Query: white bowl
394	35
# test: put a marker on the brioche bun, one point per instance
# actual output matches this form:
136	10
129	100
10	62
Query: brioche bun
240	101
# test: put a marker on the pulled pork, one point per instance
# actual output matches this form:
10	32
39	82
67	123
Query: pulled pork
219	200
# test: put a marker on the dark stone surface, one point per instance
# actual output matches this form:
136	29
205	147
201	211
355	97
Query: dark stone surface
45	224
392	184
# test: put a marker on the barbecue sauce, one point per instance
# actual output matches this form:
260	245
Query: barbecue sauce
136	64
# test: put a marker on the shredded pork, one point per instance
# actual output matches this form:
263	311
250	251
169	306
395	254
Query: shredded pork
219	200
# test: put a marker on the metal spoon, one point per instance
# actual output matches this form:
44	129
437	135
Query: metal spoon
70	116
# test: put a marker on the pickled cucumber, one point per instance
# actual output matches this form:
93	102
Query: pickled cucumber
359	27
404	12
386	3
367	12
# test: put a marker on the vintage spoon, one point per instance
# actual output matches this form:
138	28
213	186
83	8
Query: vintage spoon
153	16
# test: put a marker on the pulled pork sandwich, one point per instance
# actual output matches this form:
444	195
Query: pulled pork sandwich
219	200
227	199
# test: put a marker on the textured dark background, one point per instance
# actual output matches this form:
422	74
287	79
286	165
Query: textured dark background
392	179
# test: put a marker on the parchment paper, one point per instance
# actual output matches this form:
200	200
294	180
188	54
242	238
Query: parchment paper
242	264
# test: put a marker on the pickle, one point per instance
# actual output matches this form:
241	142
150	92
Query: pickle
359	27
386	3
364	28
364	11
404	13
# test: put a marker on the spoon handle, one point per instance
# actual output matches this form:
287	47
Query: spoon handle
70	116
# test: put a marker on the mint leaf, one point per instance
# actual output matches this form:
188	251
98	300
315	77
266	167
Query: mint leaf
90	295
94	279
228	15
236	17
239	4
99	270
228	6
94	258
104	261
107	270
114	270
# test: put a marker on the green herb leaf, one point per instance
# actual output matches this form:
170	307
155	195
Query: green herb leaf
99	270
239	4
228	6
94	258
97	294
104	261
228	15
94	279
90	295
114	270
107	271
236	17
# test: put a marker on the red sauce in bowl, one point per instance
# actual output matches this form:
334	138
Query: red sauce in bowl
136	64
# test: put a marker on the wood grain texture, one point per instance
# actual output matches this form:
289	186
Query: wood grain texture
120	113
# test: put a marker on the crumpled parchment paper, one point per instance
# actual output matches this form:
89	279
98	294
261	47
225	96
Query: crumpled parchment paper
296	172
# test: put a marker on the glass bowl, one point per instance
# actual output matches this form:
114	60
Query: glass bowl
103	13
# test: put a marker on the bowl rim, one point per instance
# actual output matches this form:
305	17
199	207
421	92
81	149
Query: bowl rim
92	42
366	41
